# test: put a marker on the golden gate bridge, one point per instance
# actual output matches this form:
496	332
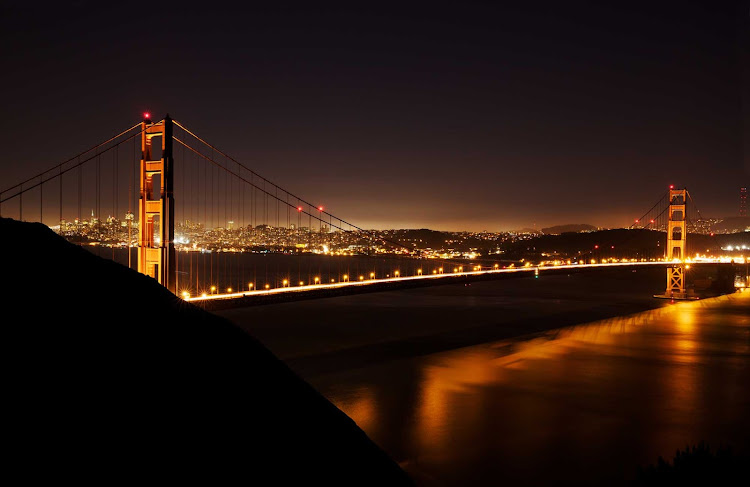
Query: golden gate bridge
208	227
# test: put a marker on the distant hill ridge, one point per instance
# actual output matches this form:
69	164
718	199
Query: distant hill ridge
568	228
733	224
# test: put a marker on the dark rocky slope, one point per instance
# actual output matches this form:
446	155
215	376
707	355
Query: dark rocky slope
109	377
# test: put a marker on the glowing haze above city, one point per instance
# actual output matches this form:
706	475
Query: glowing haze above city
459	117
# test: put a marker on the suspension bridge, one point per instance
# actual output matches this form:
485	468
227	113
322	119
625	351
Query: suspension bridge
208	227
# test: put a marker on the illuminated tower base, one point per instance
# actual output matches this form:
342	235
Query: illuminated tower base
676	282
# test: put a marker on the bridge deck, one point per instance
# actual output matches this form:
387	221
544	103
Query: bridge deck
293	293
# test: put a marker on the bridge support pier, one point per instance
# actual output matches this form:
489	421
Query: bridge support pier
156	255
676	282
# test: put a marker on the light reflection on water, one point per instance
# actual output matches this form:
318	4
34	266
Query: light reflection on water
589	402
360	407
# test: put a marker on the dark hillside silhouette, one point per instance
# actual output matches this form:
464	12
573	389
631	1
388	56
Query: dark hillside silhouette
109	377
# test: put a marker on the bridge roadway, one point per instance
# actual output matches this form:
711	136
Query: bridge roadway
321	290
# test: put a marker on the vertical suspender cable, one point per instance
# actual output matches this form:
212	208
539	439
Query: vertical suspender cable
80	197
61	197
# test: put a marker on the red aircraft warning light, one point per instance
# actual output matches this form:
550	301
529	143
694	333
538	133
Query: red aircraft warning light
146	116
671	186
320	208
299	208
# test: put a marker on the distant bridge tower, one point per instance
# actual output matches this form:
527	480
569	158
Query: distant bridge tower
676	243
156	205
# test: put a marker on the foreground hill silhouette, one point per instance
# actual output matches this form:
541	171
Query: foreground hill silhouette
110	377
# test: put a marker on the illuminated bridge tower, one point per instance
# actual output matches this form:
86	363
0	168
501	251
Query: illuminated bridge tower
156	258
676	243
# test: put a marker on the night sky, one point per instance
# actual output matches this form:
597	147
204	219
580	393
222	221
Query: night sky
461	115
